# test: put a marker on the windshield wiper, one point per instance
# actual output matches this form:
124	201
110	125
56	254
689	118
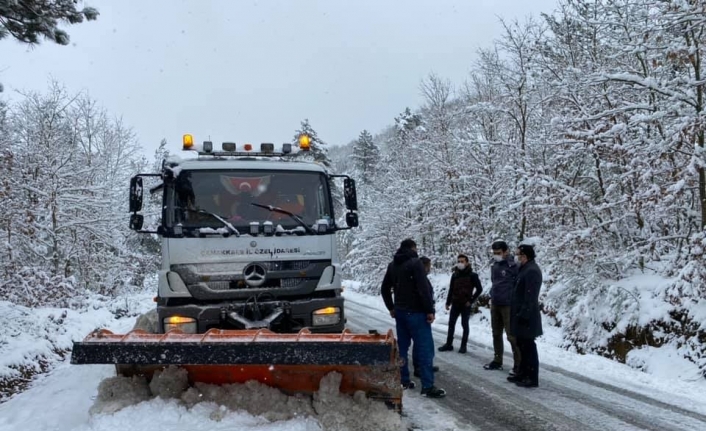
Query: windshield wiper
290	214
225	222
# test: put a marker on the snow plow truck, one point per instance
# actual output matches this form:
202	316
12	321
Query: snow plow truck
249	286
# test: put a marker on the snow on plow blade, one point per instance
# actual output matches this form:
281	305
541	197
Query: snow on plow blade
293	363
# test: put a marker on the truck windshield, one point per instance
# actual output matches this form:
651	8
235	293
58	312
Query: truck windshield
230	195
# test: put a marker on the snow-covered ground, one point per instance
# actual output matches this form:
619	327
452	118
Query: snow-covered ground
91	398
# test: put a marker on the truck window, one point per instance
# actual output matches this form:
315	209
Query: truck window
229	194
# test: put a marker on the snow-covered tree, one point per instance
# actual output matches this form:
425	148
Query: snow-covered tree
366	156
160	154
65	191
318	151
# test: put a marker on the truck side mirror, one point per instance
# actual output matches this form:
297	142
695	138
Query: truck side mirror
352	219
350	196
136	191
136	221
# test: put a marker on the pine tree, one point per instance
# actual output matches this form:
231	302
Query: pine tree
407	121
365	157
319	149
28	20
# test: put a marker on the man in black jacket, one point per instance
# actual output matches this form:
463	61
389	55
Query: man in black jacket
464	288
503	275
413	311
526	320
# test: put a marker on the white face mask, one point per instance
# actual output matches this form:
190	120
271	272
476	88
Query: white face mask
461	266
498	257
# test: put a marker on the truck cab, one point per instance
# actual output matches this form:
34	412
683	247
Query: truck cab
248	240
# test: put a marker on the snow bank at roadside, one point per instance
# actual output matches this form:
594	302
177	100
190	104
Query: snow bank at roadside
34	340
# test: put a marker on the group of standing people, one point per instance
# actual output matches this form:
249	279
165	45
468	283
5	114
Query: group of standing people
514	310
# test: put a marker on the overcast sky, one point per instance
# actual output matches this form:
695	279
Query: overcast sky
250	71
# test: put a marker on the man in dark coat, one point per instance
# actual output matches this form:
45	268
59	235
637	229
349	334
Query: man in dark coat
464	288
503	275
526	321
413	311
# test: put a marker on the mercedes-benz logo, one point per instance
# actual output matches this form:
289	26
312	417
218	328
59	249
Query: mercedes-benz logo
254	275
253	244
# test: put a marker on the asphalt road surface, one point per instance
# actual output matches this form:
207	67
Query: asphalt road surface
485	400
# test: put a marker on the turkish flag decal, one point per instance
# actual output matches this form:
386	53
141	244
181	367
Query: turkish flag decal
253	185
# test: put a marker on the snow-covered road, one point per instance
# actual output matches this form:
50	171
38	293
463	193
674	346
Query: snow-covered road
567	399
576	393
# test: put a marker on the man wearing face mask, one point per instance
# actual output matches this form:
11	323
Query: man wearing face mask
526	320
503	274
464	288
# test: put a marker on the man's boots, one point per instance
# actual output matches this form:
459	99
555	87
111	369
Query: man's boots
448	347
493	366
527	382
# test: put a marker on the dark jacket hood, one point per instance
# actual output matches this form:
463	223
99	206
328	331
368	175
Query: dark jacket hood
403	255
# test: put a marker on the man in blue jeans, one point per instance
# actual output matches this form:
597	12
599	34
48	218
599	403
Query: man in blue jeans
413	311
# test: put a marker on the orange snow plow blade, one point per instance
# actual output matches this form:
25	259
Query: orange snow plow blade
293	363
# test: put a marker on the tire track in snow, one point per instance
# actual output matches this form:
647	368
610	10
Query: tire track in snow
567	400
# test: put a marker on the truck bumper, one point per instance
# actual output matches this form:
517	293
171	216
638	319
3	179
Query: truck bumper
289	316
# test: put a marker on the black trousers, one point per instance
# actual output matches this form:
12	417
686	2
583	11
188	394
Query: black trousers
529	362
465	313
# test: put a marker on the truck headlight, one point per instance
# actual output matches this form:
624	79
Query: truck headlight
186	325
326	316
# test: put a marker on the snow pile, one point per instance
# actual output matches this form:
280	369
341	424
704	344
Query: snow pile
619	318
34	340
171	414
662	361
116	393
331	409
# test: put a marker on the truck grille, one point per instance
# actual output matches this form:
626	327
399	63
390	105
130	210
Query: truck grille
287	265
225	271
240	284
291	282
225	279
218	285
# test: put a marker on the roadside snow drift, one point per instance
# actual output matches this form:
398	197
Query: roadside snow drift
34	341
